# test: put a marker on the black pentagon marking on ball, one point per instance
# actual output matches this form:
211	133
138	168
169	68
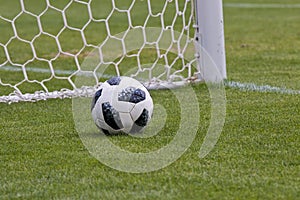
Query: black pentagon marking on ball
111	116
95	98
106	132
114	80
126	94
143	118
137	96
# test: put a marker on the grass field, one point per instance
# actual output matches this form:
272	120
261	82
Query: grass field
257	155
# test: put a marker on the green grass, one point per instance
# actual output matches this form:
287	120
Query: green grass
61	49
256	157
262	48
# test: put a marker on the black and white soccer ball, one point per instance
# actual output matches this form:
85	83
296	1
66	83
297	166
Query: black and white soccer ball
122	104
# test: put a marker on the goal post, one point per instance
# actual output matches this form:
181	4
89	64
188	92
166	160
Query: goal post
46	45
210	35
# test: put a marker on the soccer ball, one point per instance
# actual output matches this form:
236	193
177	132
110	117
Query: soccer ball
122	104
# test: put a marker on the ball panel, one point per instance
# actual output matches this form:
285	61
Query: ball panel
101	124
127	81
97	112
139	107
122	104
126	121
111	116
148	103
106	132
143	118
132	95
95	98
107	92
125	94
137	96
114	80
136	129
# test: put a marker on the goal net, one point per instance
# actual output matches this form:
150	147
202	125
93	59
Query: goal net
46	46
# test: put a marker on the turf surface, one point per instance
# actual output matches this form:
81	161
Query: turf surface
256	157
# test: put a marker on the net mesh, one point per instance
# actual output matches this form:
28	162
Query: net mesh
65	49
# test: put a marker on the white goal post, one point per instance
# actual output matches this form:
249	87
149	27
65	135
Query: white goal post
209	18
46	45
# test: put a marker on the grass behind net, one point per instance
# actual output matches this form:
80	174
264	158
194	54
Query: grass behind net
62	40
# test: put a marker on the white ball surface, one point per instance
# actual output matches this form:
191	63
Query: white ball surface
122	104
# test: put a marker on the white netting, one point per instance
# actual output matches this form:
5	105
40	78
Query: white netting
46	45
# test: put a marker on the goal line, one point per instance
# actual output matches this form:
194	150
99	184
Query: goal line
89	91
260	88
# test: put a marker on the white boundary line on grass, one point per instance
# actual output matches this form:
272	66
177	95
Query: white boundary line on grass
230	84
259	88
42	70
38	70
256	5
